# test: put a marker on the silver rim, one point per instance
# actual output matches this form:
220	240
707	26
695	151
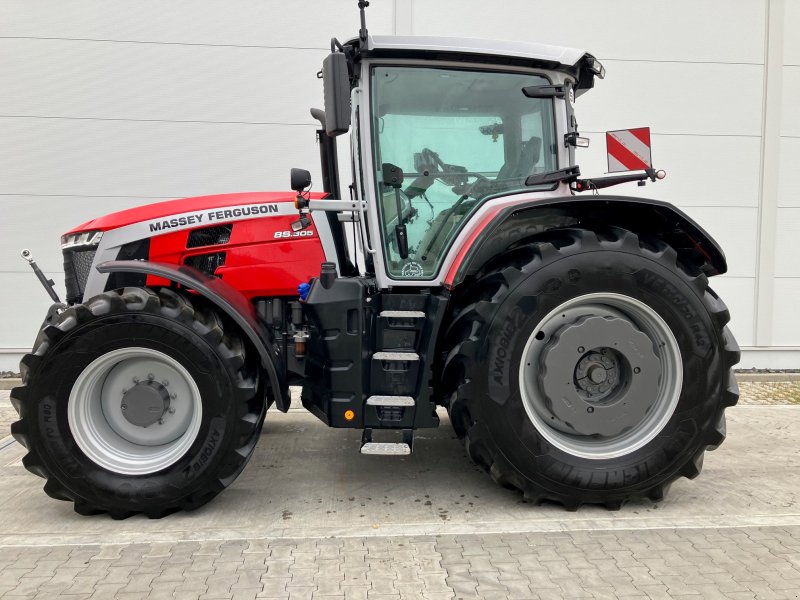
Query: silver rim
601	375
134	411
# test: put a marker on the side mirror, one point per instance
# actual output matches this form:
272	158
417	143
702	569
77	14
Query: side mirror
301	179
336	87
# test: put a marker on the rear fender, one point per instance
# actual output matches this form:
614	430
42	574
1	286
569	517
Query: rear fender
229	300
513	224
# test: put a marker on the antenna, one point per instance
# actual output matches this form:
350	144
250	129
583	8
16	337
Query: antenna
362	33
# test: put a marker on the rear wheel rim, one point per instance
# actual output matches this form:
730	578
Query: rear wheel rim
134	411
600	376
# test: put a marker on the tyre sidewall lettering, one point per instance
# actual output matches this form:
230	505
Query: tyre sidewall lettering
694	325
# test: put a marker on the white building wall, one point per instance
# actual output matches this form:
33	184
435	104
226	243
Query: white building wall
786	321
109	104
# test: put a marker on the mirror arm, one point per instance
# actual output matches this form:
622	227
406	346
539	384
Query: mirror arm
597	183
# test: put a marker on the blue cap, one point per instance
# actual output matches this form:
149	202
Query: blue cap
303	290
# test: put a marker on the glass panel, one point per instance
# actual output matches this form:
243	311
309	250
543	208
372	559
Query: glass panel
460	137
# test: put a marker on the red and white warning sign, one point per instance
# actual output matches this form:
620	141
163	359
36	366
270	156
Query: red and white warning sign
629	150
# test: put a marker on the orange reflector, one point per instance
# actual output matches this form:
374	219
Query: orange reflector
349	415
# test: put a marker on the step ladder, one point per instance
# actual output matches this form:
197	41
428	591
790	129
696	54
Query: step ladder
402	448
394	375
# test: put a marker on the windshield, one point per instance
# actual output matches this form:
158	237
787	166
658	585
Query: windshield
459	136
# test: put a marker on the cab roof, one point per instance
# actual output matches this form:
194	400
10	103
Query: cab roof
573	61
566	57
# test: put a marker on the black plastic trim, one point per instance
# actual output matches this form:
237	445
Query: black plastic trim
138	250
581	70
640	215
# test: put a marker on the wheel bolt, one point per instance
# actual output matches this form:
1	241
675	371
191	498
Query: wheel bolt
173	396
150	376
161	421
637	370
165	382
124	407
590	409
581	349
135	380
172	411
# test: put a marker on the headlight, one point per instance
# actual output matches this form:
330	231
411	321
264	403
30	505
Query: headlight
597	68
84	238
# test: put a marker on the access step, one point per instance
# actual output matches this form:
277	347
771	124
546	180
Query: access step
391	401
394	373
395	356
403	448
386	448
400	330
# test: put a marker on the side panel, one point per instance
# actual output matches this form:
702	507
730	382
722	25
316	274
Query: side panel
260	255
263	257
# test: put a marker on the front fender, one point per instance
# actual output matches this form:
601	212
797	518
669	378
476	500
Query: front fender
642	216
227	299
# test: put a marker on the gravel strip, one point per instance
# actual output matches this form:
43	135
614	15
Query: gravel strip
769	392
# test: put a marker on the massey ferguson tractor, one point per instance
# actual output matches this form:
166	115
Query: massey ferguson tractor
461	262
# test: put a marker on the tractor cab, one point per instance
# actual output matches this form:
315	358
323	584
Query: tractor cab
443	129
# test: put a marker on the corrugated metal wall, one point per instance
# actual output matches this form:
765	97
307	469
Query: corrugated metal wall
107	104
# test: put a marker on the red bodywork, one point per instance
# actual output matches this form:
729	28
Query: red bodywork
257	263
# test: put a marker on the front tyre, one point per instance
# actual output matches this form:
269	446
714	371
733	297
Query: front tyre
590	367
138	401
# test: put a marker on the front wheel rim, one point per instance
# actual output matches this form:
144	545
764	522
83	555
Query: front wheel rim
134	411
601	375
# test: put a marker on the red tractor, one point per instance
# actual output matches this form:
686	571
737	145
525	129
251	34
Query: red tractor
573	339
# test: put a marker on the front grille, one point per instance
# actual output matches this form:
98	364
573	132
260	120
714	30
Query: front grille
210	236
77	265
208	263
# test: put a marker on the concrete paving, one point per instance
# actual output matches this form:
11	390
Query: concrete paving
310	517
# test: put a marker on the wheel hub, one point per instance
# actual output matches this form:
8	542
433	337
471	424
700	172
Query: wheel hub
600	376
145	403
597	373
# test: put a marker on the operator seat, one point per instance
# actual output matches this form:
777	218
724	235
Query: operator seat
527	159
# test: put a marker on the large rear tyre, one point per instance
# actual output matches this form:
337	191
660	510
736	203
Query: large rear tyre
138	401
590	367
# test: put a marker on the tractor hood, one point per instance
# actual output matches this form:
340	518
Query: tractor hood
200	206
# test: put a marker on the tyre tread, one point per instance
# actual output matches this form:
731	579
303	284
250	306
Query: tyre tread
200	318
